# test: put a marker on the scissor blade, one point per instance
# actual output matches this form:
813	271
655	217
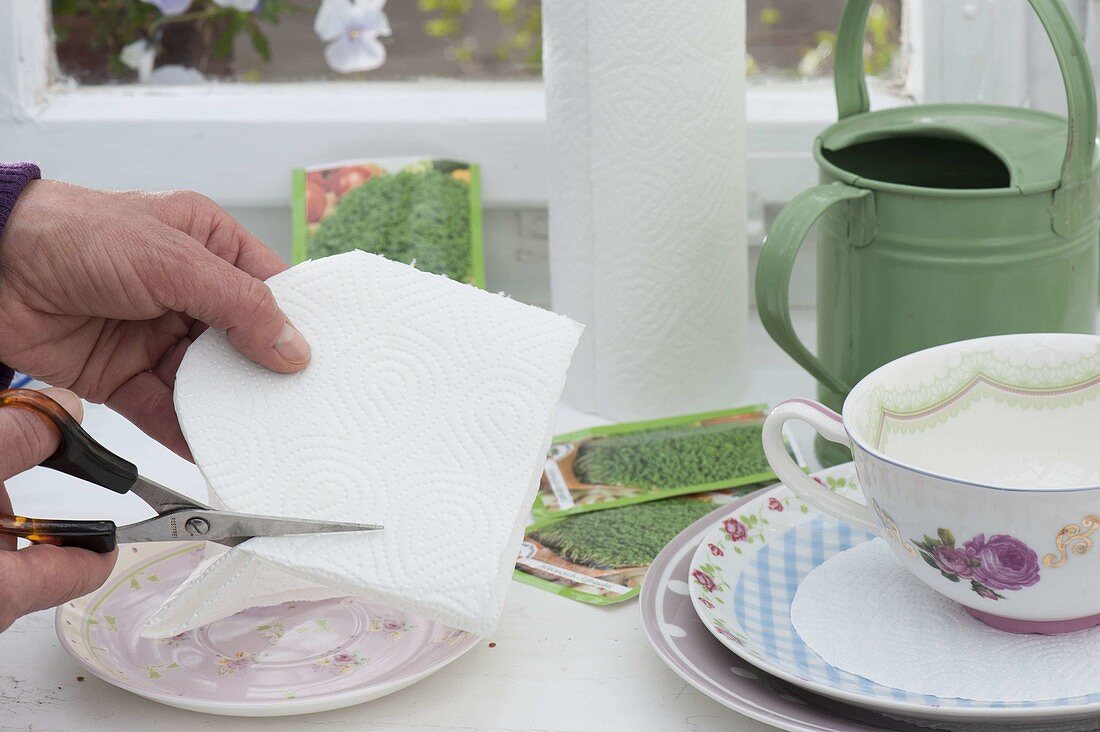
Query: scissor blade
162	499
228	528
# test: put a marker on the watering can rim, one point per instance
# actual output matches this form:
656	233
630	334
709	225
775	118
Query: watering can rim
1072	197
934	119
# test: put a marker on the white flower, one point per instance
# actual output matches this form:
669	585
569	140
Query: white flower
246	6
139	56
175	74
171	7
352	28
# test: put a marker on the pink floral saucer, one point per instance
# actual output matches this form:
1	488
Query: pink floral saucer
294	658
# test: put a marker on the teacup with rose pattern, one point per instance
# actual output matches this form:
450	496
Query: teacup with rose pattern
980	465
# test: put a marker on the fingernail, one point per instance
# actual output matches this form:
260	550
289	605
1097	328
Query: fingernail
67	399
292	345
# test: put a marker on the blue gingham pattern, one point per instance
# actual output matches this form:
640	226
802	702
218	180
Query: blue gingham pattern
762	601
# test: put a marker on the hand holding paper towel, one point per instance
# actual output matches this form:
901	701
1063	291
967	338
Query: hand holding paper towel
427	408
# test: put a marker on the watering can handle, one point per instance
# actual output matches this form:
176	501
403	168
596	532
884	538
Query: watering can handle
773	272
851	84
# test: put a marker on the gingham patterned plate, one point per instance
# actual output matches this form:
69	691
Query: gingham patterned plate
744	576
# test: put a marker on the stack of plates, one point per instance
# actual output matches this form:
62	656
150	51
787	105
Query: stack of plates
716	607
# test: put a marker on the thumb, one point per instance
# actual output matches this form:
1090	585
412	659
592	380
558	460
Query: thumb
26	439
41	576
195	281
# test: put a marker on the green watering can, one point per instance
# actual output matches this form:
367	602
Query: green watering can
939	222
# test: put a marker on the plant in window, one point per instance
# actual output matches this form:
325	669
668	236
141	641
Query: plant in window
520	22
880	47
121	39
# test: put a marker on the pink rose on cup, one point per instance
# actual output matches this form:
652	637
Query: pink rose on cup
734	529
953	561
1001	562
1004	562
774	504
716	550
704	579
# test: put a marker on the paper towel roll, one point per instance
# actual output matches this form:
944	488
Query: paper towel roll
645	107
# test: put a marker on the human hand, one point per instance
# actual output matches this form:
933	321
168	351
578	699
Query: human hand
41	575
102	293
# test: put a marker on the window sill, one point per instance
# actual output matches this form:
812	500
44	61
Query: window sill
237	143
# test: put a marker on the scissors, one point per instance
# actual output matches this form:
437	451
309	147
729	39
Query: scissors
178	518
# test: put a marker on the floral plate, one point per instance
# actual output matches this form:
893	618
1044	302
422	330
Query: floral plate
743	578
685	645
294	658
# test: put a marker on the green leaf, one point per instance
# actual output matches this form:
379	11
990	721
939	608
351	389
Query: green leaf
134	584
770	16
223	47
946	537
929	560
805	508
259	41
952	577
442	27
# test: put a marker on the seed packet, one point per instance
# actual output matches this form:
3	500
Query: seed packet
601	557
422	212
622	464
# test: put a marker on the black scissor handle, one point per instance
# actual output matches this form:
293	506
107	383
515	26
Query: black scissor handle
78	455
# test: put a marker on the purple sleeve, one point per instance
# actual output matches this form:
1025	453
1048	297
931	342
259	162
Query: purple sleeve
14	177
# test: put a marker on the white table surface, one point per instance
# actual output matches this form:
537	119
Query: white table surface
556	664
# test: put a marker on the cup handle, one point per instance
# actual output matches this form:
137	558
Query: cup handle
828	424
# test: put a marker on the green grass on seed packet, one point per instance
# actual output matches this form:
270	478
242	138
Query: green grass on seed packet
674	456
407	216
420	213
635	462
630	536
634	533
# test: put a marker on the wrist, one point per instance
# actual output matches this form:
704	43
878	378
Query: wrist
14	177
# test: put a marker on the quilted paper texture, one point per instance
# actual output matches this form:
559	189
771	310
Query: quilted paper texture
646	121
426	408
862	612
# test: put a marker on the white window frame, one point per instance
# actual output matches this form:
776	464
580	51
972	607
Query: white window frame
242	139
989	51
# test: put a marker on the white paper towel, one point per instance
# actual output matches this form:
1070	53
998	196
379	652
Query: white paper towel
645	110
863	612
426	408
